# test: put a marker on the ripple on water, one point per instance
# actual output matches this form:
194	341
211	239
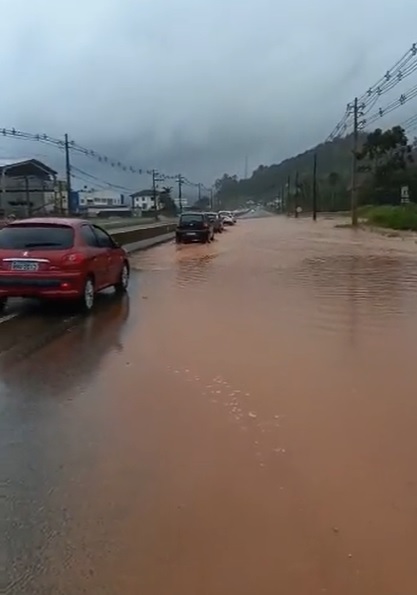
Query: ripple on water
371	288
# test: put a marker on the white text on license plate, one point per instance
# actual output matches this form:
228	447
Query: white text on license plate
19	265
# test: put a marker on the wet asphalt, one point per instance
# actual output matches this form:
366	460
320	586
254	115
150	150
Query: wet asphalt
243	421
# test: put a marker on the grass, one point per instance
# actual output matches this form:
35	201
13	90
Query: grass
401	218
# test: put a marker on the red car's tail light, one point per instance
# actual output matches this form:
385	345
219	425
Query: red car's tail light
74	259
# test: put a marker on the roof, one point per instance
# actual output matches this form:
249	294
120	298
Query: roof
100	193
10	164
143	193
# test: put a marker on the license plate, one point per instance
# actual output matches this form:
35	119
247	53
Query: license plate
191	233
19	265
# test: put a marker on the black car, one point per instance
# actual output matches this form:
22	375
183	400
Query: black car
194	227
217	222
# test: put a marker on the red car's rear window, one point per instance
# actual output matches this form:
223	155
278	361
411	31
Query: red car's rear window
36	237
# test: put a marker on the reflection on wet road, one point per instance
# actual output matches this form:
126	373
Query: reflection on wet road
243	422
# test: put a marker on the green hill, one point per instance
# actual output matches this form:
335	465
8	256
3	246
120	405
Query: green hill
334	164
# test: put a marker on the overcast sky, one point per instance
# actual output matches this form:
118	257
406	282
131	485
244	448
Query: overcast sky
192	85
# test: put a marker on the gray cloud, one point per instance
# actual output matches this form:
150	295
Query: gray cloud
192	85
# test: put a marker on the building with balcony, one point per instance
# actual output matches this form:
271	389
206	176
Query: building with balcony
27	187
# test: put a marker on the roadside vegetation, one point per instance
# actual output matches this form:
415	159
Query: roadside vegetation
401	217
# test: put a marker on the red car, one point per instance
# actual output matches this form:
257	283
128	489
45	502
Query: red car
59	259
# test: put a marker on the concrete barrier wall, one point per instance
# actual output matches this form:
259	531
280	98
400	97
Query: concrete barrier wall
144	244
143	234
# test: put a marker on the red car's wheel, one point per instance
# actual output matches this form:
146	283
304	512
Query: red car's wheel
88	296
123	282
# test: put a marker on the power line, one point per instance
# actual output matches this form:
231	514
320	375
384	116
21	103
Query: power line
394	75
341	127
409	121
71	146
390	107
100	180
410	124
402	69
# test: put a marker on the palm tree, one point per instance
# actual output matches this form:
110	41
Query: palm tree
165	198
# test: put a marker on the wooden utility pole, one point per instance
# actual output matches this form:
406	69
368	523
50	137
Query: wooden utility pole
296	195
68	173
288	195
315	187
60	198
354	189
27	197
155	201
180	183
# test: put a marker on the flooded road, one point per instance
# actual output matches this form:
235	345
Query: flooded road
243	422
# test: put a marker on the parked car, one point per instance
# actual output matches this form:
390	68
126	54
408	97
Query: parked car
217	222
59	259
227	217
194	227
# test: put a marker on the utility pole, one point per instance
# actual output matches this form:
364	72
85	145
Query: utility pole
354	190
155	202
288	195
315	187
68	173
61	199
211	200
27	196
199	192
282	195
180	183
296	195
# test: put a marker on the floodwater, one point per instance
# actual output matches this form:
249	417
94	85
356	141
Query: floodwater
244	422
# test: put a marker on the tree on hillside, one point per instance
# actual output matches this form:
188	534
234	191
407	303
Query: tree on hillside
386	151
386	160
166	201
333	180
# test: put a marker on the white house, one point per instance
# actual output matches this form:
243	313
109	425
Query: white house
144	200
100	199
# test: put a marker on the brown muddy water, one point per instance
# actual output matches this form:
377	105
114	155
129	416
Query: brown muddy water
243	423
